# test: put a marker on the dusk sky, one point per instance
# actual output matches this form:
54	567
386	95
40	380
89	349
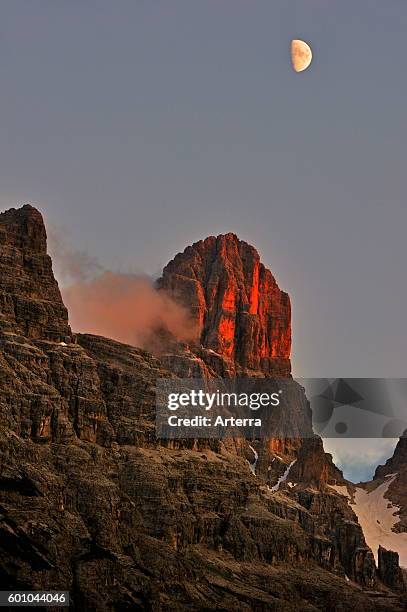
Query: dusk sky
141	126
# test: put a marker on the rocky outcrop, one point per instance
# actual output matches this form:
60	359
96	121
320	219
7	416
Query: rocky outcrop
396	470
389	570
93	503
30	301
244	324
314	466
397	463
240	312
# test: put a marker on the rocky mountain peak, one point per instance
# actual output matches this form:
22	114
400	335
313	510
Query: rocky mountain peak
92	502
24	228
30	300
240	311
397	462
394	476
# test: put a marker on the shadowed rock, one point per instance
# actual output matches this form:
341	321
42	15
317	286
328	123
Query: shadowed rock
93	503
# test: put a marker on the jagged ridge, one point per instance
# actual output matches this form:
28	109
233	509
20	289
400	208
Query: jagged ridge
92	502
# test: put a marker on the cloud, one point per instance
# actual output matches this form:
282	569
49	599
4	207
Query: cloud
128	308
70	264
359	457
124	307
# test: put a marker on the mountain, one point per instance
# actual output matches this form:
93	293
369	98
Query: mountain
241	314
93	503
381	507
31	303
395	470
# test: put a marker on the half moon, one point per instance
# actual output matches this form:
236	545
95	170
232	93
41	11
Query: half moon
301	55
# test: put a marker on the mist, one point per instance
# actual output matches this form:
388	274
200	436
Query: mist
71	264
123	306
127	308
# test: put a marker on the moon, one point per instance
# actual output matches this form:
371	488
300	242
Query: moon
301	55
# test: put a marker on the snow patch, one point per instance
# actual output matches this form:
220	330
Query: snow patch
283	478
377	516
256	458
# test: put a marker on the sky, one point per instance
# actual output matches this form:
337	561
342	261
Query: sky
141	126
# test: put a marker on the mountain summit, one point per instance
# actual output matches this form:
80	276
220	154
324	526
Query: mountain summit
30	300
92	502
240	312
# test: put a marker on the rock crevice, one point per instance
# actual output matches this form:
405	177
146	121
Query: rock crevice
92	502
240	312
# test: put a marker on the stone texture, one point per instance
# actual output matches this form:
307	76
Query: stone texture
30	301
92	503
389	570
240	312
397	491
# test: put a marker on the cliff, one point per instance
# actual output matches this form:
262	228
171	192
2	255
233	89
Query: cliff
240	312
93	503
30	301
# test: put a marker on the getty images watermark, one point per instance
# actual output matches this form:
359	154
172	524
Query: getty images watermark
215	399
283	408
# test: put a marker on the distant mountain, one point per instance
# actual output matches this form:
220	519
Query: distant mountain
93	503
381	508
395	470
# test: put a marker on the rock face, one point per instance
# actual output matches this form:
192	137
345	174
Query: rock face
241	313
93	503
389	570
380	506
396	469
385	497
30	301
398	462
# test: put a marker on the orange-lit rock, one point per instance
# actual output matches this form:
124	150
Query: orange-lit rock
93	503
240	311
